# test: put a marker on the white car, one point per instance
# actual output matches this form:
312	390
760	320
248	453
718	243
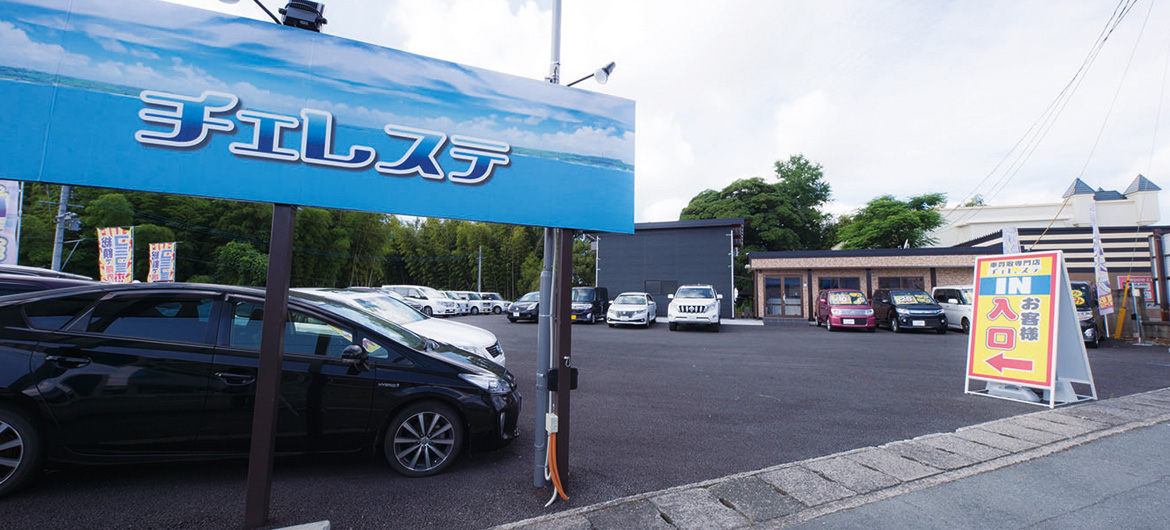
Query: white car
475	340
694	305
463	305
429	301
956	303
478	304
495	303
632	308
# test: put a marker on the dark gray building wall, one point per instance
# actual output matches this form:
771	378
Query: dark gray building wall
684	255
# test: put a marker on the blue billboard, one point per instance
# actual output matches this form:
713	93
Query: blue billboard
151	96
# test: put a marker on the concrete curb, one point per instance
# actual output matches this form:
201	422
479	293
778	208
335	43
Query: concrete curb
797	492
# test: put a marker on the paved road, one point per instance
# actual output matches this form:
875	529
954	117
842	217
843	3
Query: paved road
656	409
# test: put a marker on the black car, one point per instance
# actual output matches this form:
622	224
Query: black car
589	304
526	308
25	270
163	372
903	309
1086	300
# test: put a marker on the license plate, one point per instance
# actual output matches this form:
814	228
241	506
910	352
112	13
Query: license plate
918	323
574	317
516	314
847	321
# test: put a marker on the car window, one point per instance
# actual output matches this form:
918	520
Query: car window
303	334
56	312
911	297
530	297
160	317
695	292
389	308
630	299
583	295
847	298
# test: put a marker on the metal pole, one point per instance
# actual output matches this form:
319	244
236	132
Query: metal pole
479	276
544	315
543	361
59	239
259	487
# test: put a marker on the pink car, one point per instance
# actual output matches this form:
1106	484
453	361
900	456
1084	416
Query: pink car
844	308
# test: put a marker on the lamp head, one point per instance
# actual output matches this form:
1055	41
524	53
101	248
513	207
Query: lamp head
602	74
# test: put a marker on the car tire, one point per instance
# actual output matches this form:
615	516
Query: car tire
966	325
714	327
829	324
673	326
496	310
894	325
591	320
475	310
23	445
423	439
873	329
512	320
611	324
426	310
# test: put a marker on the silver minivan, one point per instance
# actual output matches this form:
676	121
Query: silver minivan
956	303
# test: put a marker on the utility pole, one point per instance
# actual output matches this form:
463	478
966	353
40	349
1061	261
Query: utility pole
62	219
479	277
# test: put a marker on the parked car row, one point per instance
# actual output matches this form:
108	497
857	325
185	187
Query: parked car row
449	303
100	373
690	305
898	309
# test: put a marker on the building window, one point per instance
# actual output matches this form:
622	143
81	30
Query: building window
840	283
905	282
661	287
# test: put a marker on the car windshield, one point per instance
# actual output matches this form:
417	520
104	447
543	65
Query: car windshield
635	299
388	308
474	296
374	322
1082	296
534	296
847	298
968	295
451	295
911	297
431	293
491	296
582	295
695	292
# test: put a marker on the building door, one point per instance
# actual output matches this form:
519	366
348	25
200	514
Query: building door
783	297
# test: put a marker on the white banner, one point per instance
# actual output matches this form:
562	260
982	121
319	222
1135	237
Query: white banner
9	221
1101	273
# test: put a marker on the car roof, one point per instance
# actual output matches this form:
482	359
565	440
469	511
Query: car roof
968	286
25	270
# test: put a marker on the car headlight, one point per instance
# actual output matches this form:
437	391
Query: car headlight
835	312
867	312
1084	315
487	382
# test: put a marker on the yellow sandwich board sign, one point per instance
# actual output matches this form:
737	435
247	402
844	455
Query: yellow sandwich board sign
1025	336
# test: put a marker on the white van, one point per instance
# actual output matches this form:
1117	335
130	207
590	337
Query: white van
429	301
956	303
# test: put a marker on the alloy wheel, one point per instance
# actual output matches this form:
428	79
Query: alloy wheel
424	441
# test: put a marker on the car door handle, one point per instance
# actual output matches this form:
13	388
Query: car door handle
235	379
67	362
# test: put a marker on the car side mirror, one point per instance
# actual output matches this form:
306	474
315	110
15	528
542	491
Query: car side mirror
670	297
354	354
952	301
718	297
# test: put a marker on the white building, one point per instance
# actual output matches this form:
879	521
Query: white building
1136	206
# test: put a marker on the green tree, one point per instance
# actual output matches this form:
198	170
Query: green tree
584	264
239	263
886	222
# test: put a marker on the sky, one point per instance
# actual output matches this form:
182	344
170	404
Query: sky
896	97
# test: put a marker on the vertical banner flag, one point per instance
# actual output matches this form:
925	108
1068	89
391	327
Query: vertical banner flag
1011	240
9	221
1025	330
116	254
162	262
1100	272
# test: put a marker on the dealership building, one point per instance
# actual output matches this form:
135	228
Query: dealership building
659	257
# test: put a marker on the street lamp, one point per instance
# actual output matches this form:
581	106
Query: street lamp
601	75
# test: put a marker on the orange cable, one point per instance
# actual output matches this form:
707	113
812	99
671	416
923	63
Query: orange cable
552	462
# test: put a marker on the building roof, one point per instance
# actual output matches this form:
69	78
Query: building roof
1107	195
1141	183
693	223
870	252
1078	187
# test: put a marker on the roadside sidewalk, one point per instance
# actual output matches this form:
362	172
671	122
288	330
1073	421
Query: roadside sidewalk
1098	464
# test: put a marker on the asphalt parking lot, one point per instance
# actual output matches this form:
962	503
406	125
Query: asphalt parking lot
655	409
